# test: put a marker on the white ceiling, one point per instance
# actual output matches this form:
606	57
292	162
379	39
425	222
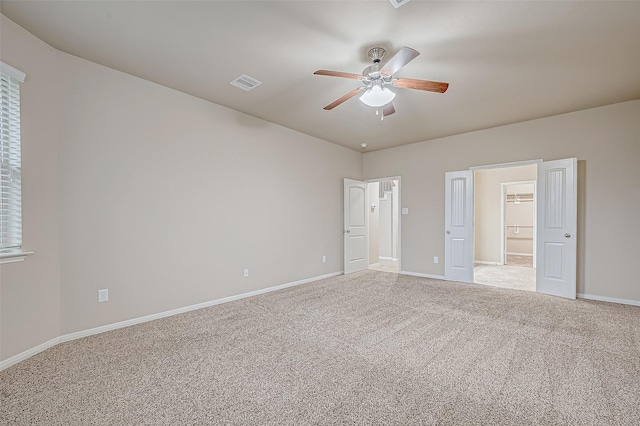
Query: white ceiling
505	61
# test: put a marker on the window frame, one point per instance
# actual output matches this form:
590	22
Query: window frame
11	164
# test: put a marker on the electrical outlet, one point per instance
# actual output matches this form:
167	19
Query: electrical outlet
103	295
324	259
435	259
246	272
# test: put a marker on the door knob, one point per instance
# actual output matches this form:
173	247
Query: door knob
448	232
567	235
348	231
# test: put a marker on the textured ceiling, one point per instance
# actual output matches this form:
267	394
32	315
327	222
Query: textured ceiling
505	61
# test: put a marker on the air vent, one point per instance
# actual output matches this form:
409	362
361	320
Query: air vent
245	82
398	3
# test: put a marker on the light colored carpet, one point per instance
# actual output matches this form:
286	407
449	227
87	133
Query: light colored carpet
365	348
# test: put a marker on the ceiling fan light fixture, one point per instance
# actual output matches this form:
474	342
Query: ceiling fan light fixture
377	96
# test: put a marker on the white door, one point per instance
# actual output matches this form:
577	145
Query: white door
458	243
557	225
356	237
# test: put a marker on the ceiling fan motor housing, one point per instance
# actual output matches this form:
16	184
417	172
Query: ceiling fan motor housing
376	54
372	73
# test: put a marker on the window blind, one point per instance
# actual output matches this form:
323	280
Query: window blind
10	161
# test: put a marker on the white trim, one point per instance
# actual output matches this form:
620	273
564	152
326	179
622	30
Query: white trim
421	275
399	214
608	299
486	262
12	72
383	179
134	321
520	182
520	254
14	257
505	165
28	353
503	228
77	335
388	258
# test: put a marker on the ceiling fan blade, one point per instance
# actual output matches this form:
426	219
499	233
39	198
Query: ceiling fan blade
339	74
399	60
429	86
346	97
388	109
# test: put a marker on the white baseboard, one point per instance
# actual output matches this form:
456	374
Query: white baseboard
520	254
579	295
609	299
388	258
79	334
28	353
486	262
418	274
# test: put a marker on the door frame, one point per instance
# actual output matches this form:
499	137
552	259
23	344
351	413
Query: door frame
537	162
398	213
503	211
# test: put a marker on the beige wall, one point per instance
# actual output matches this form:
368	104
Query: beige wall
131	175
122	180
605	140
30	290
487	207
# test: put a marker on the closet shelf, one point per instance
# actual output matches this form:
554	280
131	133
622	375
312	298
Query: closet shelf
520	198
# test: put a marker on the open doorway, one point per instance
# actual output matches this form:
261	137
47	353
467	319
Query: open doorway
555	225
372	225
384	224
505	227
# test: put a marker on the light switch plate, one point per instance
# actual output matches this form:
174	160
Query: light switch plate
405	210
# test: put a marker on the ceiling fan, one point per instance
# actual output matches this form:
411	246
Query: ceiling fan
377	78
